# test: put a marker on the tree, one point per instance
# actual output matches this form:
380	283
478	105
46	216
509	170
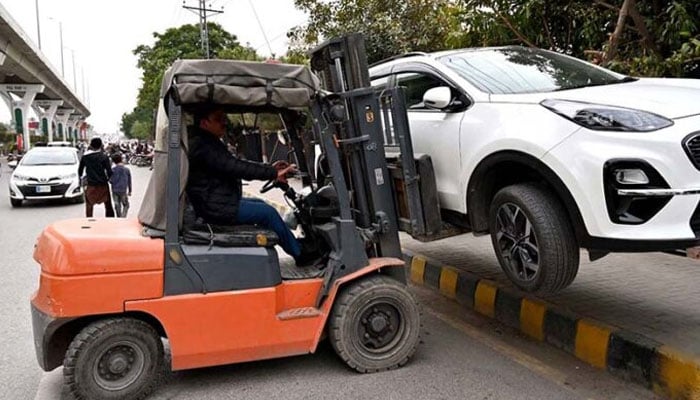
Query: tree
389	26
175	43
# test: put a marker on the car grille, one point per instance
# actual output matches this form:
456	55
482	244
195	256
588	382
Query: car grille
56	190
692	147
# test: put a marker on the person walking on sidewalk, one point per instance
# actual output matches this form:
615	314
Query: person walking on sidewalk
121	186
98	170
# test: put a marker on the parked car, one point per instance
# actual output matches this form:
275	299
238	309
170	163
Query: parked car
59	144
549	154
46	173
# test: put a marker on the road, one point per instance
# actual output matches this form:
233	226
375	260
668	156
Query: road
462	355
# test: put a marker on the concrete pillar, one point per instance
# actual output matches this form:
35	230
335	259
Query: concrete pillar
61	118
46	114
20	108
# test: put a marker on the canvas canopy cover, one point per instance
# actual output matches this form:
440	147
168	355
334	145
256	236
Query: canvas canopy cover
224	82
240	83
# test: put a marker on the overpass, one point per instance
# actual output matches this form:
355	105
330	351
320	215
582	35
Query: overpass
29	81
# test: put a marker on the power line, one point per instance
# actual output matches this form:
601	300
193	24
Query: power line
272	54
203	12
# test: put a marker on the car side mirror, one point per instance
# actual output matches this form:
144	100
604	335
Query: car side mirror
438	97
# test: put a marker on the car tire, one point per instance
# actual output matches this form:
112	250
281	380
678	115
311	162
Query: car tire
116	358
16	202
80	199
533	238
375	324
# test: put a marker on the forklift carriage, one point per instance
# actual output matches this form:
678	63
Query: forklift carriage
112	289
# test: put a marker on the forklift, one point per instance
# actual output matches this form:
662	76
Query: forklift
112	291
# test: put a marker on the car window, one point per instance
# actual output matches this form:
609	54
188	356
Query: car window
514	70
416	84
380	83
49	158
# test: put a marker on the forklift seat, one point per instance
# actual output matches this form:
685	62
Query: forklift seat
229	236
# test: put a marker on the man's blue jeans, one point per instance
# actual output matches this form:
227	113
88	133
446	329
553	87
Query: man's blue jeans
257	212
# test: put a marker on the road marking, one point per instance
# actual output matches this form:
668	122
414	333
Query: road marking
448	282
592	341
417	270
485	298
532	318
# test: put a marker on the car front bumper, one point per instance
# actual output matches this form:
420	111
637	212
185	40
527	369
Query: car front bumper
581	162
64	189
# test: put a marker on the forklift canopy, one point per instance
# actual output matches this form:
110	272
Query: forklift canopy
233	84
240	83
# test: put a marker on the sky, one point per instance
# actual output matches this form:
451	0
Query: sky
100	35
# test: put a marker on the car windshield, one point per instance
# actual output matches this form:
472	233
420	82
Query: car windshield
49	158
514	70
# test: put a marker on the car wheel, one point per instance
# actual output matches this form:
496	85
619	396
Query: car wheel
80	199
533	238
375	324
118	358
16	202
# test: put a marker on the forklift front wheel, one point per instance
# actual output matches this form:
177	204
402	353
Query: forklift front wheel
375	324
117	358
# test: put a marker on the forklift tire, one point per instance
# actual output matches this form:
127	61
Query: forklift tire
375	324
115	359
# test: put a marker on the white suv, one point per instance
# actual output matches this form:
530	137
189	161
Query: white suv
550	154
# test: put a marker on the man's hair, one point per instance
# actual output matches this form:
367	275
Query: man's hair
202	112
96	143
117	158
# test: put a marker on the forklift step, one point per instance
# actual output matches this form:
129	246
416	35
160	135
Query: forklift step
296	313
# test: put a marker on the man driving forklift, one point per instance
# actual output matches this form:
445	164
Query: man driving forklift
214	184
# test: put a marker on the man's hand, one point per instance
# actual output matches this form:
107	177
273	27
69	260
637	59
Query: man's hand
284	168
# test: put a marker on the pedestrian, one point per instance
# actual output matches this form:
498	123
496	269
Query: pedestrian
121	186
98	170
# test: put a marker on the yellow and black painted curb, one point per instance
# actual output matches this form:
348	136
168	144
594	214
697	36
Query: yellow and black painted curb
626	354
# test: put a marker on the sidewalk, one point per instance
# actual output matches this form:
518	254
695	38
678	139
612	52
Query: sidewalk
637	315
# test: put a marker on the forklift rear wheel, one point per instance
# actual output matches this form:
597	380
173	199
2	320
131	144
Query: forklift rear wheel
375	324
118	358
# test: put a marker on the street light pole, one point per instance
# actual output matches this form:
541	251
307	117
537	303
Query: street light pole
75	85
38	26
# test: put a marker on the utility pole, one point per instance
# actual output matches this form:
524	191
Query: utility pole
203	13
38	27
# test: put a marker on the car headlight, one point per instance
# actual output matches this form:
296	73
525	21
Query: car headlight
68	176
17	177
607	118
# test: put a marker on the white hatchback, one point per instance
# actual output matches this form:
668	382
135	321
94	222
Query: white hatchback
549	154
46	173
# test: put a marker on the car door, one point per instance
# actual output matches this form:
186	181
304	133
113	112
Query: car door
435	132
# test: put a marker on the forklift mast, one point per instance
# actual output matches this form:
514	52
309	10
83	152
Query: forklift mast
367	142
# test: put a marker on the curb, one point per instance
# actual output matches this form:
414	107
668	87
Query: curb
624	354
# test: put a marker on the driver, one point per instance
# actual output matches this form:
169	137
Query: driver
214	183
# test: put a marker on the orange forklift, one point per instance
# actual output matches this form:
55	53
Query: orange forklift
113	291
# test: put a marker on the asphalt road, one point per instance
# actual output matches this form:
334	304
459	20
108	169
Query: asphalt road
461	356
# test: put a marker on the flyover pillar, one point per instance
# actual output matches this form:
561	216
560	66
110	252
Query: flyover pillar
20	108
62	116
46	111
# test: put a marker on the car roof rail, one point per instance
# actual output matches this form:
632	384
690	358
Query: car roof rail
396	57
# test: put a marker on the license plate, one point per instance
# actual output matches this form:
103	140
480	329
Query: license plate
43	189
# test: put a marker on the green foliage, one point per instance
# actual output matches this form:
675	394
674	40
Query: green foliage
141	130
175	43
580	28
389	26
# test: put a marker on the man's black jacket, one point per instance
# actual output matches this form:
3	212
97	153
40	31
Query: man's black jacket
214	183
97	167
